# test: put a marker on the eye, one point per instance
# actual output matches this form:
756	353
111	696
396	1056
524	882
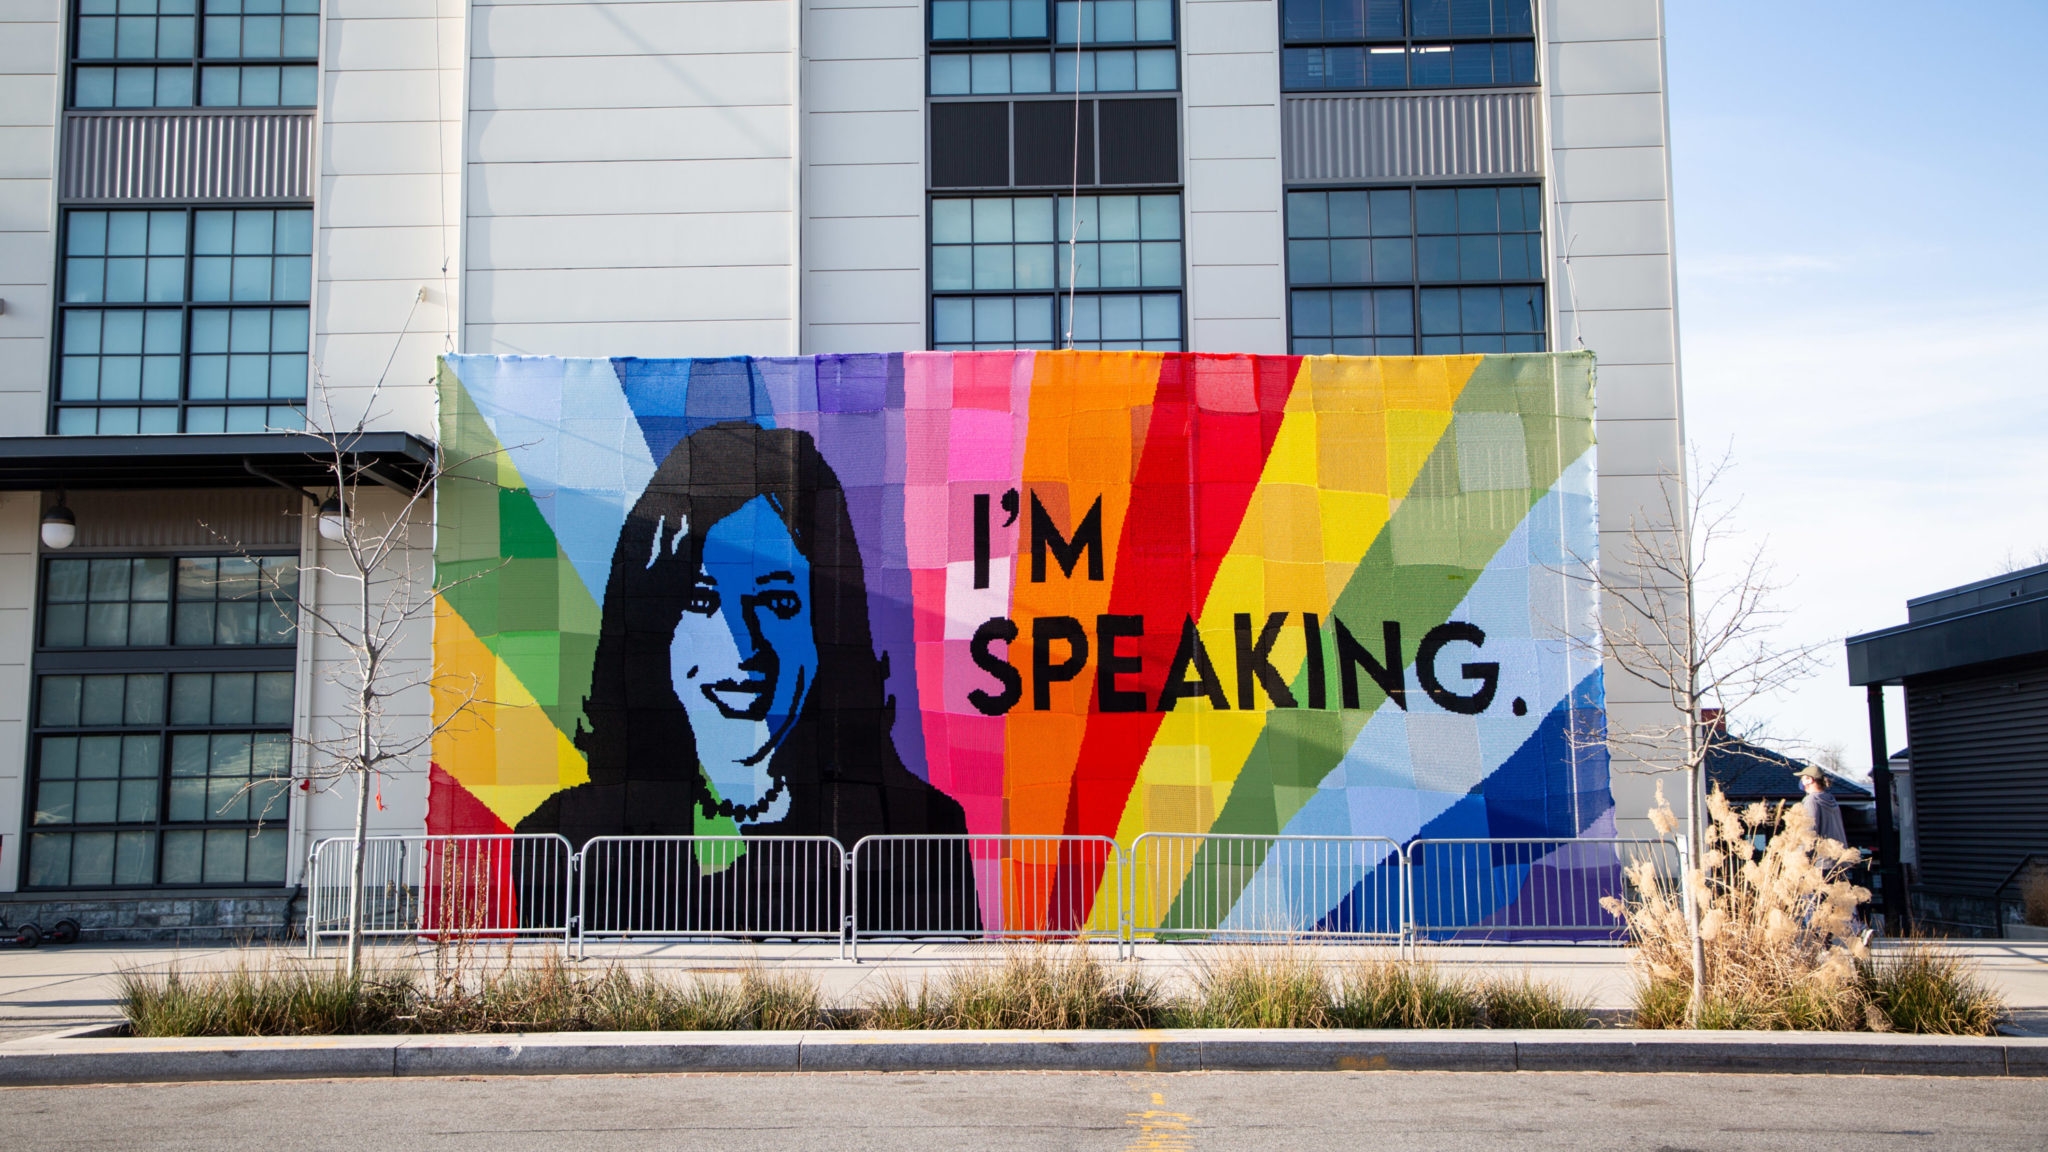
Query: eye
703	601
784	604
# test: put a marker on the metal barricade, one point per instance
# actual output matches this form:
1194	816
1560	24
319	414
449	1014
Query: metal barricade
1192	886
443	887
985	888
1524	890
684	887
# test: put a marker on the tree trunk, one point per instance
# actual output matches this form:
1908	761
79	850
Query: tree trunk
1694	866
357	850
363	769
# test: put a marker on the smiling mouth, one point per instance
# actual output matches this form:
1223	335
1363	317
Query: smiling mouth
741	699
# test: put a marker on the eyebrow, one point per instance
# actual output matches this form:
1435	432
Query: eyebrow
785	577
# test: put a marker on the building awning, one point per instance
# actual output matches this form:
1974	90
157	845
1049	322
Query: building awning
2013	629
398	460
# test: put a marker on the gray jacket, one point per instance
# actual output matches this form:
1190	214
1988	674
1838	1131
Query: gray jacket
1826	815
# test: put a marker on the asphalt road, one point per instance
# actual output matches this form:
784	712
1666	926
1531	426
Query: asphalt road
1114	1112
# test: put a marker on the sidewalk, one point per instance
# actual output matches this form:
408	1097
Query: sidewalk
52	988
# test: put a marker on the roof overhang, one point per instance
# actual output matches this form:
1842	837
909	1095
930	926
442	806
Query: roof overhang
1889	656
398	460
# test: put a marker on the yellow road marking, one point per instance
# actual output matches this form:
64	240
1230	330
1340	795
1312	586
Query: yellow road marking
1159	1129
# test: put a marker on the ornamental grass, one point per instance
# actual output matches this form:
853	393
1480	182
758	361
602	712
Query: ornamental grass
1034	987
1783	942
286	997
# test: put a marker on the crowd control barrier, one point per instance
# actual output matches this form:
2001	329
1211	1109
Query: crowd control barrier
1523	890
1169	887
443	887
684	887
985	888
1191	886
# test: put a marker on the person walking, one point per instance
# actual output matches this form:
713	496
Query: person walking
1820	805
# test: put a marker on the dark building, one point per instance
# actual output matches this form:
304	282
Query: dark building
1974	664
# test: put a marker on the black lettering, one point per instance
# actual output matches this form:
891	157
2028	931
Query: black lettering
1255	659
1109	664
993	629
1177	687
1045	534
1351	656
1045	673
1487	674
1312	635
981	543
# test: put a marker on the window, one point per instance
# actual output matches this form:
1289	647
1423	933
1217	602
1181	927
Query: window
1367	44
1032	61
152	334
195	53
1007	245
1399	271
162	721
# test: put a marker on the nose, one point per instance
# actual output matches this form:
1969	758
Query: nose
760	654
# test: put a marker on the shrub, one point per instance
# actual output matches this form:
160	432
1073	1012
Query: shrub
1252	986
284	998
1779	926
1525	1002
1033	988
1921	988
1386	993
297	998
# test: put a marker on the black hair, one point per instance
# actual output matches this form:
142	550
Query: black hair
638	731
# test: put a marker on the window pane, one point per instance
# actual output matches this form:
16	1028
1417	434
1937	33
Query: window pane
267	856
59	705
1308	261
225	856
182	852
134	857
234	697
49	860
101	702
92	858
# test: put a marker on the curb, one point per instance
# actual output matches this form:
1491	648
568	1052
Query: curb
74	1059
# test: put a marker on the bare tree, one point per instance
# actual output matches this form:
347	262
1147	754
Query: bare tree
1692	613
390	592
2017	560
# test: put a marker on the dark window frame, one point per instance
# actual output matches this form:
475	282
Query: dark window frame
1057	295
185	307
1415	284
196	62
164	661
1092	159
1408	42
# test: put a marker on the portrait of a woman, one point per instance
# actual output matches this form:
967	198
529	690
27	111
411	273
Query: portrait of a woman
736	691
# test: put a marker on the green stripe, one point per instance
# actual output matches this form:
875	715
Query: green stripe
526	602
1439	539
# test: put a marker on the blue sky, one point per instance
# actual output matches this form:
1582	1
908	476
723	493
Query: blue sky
1861	193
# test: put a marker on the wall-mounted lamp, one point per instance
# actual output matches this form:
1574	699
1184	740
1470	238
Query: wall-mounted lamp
60	527
333	521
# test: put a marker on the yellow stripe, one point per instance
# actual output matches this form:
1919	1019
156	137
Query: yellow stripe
1355	435
490	745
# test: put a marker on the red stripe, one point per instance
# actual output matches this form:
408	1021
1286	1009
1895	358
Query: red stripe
1213	422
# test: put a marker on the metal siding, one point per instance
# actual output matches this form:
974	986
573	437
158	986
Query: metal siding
188	156
205	519
1412	137
1980	775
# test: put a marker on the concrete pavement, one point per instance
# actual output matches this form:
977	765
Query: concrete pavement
1187	1112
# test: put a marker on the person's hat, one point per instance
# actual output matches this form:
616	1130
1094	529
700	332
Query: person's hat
1812	772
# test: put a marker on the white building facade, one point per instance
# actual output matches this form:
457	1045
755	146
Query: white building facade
212	209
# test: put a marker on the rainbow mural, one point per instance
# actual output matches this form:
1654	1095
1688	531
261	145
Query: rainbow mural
1081	593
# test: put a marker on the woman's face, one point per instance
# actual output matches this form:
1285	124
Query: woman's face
744	658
